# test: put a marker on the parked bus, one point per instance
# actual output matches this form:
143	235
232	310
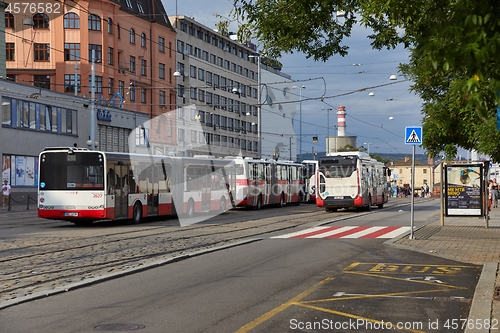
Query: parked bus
268	182
351	179
310	179
82	186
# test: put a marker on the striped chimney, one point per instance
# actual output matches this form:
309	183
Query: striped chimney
341	120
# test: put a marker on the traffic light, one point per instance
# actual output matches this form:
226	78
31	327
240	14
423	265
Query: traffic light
315	139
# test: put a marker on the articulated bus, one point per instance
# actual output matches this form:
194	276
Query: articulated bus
82	186
351	179
268	182
310	179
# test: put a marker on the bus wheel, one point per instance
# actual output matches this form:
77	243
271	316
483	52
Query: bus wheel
190	208
330	210
137	214
259	203
222	205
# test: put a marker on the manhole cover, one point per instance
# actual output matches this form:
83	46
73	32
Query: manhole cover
119	327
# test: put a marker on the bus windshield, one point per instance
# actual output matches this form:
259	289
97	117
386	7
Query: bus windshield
69	171
338	166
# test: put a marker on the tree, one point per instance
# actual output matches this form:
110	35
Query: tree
454	54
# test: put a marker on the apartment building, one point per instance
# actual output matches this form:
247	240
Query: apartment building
401	173
132	42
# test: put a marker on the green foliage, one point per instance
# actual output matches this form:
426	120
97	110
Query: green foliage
454	47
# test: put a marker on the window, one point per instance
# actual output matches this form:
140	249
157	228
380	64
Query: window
71	51
201	95
192	92
132	64
10	49
111	86
41	21
204	55
69	82
132	92
9	20
162	98
192	71
143	40
143	67
118	31
42	81
41	52
139	6
98	52
161	44
94	22
98	84
110	55
121	88
143	96
161	72
201	74
129	4
180	46
132	36
110	25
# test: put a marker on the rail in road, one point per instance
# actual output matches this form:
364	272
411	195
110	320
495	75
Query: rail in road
65	256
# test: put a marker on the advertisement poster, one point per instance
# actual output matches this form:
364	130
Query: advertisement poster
6	168
463	190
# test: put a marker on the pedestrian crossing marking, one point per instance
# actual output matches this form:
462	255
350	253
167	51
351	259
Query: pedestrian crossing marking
348	232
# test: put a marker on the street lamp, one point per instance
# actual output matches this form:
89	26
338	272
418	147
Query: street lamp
300	118
368	143
259	108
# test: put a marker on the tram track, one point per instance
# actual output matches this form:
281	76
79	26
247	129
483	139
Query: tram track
42	265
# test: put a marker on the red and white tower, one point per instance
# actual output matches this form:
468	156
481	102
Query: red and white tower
341	120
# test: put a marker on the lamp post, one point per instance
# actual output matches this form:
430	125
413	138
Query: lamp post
328	129
368	143
259	108
300	119
92	102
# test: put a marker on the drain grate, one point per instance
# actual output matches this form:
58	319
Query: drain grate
119	327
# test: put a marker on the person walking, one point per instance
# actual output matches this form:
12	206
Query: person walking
494	193
5	193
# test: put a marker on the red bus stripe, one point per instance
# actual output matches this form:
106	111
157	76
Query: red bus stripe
349	232
317	232
380	232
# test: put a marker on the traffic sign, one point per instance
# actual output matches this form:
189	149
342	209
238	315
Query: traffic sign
413	135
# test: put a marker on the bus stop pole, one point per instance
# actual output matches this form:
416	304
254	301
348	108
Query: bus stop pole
412	215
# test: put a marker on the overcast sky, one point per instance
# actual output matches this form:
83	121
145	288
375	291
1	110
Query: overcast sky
367	116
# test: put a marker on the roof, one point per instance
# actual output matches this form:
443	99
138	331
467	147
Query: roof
408	163
150	10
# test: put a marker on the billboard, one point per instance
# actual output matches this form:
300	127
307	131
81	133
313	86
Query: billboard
463	190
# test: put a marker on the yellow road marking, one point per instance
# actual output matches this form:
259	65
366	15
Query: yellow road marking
254	323
346	298
405	280
349	315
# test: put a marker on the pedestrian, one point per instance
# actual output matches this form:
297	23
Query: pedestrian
490	194
5	193
494	192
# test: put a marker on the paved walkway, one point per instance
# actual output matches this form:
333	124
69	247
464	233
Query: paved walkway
465	239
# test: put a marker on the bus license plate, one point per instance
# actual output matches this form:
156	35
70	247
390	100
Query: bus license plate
71	214
338	198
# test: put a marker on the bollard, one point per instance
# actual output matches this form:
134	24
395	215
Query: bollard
8	208
28	203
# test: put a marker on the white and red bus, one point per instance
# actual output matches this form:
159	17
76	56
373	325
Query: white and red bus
310	179
268	182
350	179
82	186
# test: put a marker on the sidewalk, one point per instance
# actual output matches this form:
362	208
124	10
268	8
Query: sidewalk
465	239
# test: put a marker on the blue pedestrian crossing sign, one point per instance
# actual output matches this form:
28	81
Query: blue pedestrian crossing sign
413	135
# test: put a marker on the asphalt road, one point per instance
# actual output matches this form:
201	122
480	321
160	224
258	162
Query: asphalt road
268	285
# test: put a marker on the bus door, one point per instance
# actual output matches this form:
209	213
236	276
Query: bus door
152	176
206	192
114	190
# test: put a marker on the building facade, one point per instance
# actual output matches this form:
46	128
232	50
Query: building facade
401	173
131	42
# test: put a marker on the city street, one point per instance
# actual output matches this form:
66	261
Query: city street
282	276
